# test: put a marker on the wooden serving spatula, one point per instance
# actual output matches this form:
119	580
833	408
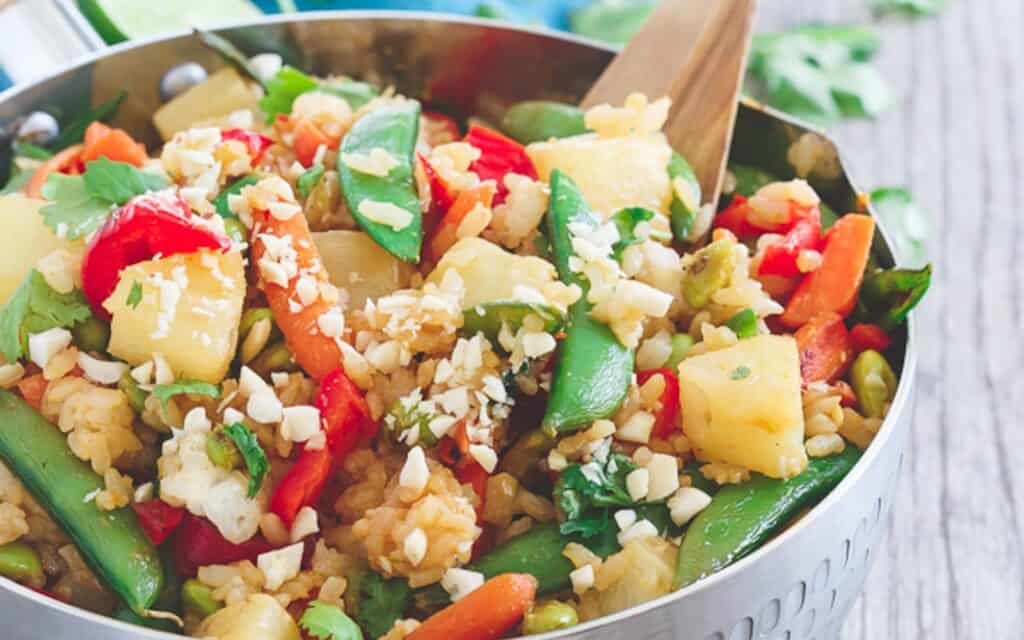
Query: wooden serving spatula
694	52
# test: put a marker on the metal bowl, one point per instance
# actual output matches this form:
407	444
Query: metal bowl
800	584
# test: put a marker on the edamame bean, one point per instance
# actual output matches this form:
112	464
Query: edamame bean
19	562
681	345
222	451
709	271
550	616
874	383
197	598
136	396
91	335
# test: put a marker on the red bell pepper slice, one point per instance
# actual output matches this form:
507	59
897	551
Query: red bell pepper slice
439	129
780	258
499	156
345	418
734	218
869	336
666	420
256	143
198	543
442	197
825	349
470	472
147	225
158	519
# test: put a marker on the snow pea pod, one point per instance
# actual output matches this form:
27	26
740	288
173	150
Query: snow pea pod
392	128
685	204
488	317
888	295
110	541
594	368
742	516
540	120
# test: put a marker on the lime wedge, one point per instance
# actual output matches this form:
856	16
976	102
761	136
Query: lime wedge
120	20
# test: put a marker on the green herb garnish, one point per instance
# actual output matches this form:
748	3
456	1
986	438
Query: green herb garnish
252	453
33	308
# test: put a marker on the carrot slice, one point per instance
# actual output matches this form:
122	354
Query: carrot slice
447	232
834	286
487	613
825	348
308	138
316	353
113	144
64	161
32	389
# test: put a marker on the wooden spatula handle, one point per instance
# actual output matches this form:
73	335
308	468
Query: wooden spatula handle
695	52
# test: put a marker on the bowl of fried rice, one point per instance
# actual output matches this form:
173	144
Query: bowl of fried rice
352	325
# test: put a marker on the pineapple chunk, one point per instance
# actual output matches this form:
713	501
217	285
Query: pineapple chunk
258	616
207	103
612	173
489	273
189	311
357	264
741	405
25	240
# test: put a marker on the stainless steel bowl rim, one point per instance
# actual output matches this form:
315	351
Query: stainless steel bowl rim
902	397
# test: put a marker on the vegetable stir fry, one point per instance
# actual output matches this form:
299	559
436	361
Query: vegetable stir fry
331	364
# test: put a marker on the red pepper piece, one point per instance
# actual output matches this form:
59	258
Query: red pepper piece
147	225
345	419
256	143
499	156
439	129
734	218
158	519
470	472
847	397
666	420
441	195
780	258
198	543
869	336
825	349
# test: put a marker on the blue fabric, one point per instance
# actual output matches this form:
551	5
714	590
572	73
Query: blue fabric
5	80
552	13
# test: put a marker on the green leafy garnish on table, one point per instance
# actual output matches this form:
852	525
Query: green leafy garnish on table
164	392
252	453
611	21
35	308
910	7
819	73
80	204
327	622
904	221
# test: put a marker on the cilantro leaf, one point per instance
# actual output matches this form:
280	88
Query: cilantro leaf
72	206
819	73
585	493
282	89
165	392
118	182
626	222
82	203
905	223
253	454
309	179
35	308
327	622
376	602
910	7
134	296
355	93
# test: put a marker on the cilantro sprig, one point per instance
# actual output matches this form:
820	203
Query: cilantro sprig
626	222
819	73
327	622
290	83
585	493
80	204
164	392
35	308
252	453
376	602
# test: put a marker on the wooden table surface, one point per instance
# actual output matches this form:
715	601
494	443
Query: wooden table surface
952	567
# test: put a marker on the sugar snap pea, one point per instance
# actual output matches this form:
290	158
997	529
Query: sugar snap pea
684	205
594	368
742	516
110	541
540	120
488	317
394	129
